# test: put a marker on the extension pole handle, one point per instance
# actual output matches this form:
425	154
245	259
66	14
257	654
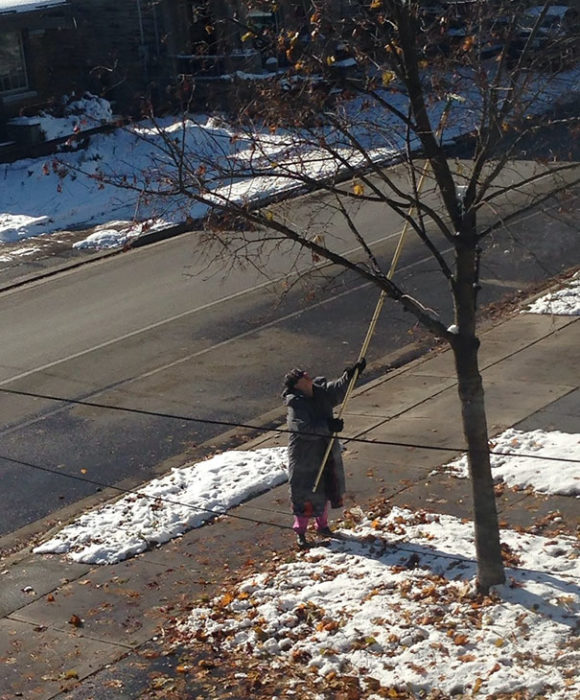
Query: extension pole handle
380	303
351	384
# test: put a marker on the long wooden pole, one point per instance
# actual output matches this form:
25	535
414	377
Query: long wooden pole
380	303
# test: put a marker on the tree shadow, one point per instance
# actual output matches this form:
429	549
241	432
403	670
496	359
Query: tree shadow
541	592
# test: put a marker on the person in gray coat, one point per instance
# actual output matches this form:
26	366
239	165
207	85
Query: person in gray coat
311	421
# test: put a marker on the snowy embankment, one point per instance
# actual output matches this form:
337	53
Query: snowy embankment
46	195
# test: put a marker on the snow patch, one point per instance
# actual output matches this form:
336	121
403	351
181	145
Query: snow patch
564	302
166	508
517	461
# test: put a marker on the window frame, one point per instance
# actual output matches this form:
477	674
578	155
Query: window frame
21	75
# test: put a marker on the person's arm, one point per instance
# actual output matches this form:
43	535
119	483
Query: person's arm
337	389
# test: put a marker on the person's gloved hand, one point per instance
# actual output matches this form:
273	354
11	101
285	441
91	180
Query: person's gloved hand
360	365
335	425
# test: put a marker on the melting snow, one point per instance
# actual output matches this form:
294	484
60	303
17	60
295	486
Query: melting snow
165	508
519	462
565	301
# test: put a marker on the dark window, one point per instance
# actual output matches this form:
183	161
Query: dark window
12	65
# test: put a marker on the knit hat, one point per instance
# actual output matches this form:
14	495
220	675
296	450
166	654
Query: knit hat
292	377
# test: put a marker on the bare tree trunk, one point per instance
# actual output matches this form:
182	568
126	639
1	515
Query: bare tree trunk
471	395
470	389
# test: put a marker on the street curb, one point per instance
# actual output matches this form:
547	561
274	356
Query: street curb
566	103
33	277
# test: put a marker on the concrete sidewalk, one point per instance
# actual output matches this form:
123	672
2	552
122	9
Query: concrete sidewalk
85	632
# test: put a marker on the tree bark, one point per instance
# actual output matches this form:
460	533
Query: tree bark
471	395
487	544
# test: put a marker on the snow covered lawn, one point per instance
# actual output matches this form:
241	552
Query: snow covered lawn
392	604
45	195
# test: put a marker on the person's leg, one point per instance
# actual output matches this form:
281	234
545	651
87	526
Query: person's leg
299	527
322	520
300	524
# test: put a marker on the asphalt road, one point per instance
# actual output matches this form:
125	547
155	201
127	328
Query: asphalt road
157	330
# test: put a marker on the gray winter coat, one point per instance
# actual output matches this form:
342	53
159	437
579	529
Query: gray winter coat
307	418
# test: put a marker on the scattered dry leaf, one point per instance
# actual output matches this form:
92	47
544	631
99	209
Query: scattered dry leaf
75	621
